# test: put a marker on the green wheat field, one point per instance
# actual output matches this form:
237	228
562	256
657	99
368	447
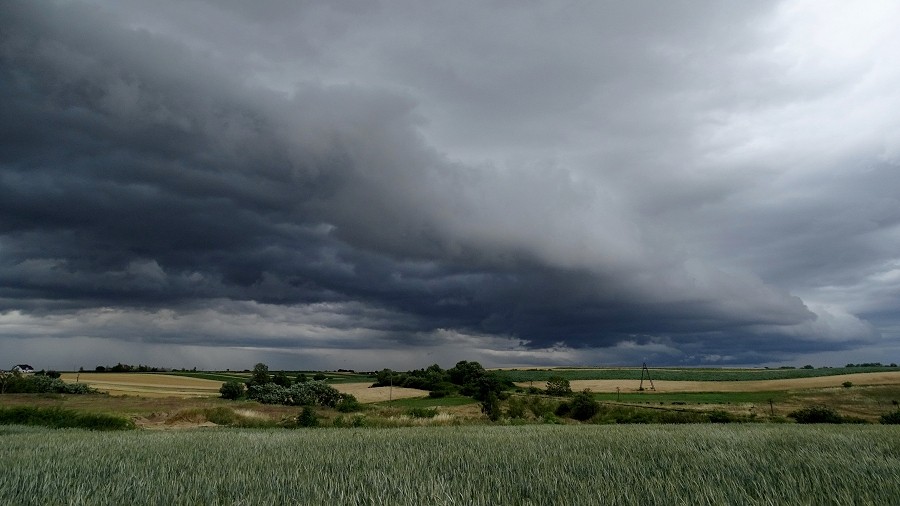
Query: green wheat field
478	465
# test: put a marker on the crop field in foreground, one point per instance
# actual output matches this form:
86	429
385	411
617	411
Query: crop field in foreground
546	464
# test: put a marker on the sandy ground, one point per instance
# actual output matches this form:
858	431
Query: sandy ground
364	393
869	378
162	385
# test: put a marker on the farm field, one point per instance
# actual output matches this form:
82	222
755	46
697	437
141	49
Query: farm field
166	385
771	385
538	464
682	374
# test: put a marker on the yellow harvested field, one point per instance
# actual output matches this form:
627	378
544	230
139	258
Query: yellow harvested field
164	385
364	393
861	379
147	385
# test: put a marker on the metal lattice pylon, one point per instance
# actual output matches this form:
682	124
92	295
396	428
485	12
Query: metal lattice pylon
645	370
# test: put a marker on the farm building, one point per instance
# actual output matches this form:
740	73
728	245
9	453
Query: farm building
23	368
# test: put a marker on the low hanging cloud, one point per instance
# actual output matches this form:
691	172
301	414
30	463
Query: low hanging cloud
552	184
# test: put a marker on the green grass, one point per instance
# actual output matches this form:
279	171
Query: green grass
428	402
543	464
62	418
681	374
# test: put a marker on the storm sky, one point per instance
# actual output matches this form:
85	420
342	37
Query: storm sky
367	184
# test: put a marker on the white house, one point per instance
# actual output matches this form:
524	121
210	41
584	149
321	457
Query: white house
23	368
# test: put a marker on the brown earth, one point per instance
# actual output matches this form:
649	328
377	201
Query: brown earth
860	379
146	385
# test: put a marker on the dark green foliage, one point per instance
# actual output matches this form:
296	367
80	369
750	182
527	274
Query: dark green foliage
281	379
348	404
311	393
422	412
260	375
40	384
515	407
490	406
232	390
816	414
719	416
319	377
583	406
539	407
308	417
301	378
467	378
892	418
62	418
558	386
847	384
432	378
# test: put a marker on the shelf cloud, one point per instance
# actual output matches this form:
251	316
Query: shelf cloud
367	184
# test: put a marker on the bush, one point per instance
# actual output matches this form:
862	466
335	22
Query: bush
349	404
816	414
558	386
62	418
310	393
232	390
515	408
42	384
890	418
308	418
490	406
847	384
422	412
720	416
583	406
538	406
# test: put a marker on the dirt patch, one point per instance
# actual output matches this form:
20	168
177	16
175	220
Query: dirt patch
364	392
861	379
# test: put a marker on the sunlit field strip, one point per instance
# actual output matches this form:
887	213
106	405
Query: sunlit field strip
648	465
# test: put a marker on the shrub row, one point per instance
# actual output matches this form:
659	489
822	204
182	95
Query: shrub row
62	418
43	384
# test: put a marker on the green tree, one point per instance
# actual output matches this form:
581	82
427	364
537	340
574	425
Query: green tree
583	406
281	379
558	386
232	390
490	406
260	375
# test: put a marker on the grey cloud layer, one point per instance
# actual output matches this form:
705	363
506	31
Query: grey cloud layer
549	174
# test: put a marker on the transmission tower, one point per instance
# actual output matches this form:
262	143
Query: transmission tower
647	371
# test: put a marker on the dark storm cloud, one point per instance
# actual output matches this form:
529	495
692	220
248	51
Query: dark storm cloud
352	175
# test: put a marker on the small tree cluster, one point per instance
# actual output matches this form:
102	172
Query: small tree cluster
558	386
816	414
310	393
15	383
582	406
232	390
